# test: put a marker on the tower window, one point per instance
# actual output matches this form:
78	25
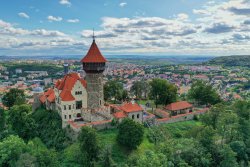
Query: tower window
78	104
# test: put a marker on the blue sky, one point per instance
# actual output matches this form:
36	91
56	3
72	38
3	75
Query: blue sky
155	27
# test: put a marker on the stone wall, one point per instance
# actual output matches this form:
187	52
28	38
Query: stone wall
95	90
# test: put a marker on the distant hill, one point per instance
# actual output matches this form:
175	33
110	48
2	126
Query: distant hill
239	60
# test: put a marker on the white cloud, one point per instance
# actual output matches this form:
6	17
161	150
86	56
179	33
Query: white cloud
73	20
53	18
182	16
23	15
122	4
65	2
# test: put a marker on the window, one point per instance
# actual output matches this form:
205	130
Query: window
64	107
69	107
138	115
78	92
78	104
133	116
69	116
100	102
65	116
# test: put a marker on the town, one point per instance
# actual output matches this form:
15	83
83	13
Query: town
125	83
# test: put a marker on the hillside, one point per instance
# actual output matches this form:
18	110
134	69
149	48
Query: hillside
240	60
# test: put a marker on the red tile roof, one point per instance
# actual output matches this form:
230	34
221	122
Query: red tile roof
66	85
178	106
94	55
120	114
129	107
42	99
66	95
51	97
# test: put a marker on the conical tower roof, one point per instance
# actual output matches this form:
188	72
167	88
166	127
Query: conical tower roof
94	55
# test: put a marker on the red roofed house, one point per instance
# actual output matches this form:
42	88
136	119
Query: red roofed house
181	107
129	110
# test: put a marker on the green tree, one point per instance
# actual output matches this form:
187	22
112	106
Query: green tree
89	145
140	88
162	92
148	159
44	156
49	128
26	160
212	116
203	93
2	119
227	157
106	157
10	150
240	149
21	121
13	97
130	134
113	90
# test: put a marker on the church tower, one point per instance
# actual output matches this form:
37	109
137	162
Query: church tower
94	65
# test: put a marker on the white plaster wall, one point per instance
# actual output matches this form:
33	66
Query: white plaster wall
130	115
79	87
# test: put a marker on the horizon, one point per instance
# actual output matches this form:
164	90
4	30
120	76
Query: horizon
172	28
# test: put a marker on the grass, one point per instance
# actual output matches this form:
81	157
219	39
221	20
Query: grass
120	154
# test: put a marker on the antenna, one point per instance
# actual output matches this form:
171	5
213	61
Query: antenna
93	34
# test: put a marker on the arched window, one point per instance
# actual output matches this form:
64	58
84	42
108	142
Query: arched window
133	116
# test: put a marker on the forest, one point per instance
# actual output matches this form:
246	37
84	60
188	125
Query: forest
219	138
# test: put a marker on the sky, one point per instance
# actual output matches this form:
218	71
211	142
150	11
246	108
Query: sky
129	27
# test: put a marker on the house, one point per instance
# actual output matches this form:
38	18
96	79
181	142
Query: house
128	110
181	107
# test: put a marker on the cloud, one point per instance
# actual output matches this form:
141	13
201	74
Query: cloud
47	33
23	15
182	16
122	4
241	37
53	18
218	28
65	2
240	11
247	22
73	20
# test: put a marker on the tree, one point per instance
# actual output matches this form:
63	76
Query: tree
2	119
130	134
49	128
22	122
240	149
149	159
140	88
113	90
106	157
212	116
228	157
88	144
203	93
26	160
10	150
13	97
162	92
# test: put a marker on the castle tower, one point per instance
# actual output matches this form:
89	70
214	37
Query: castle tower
94	65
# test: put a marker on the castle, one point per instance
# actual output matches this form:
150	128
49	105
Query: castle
80	102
